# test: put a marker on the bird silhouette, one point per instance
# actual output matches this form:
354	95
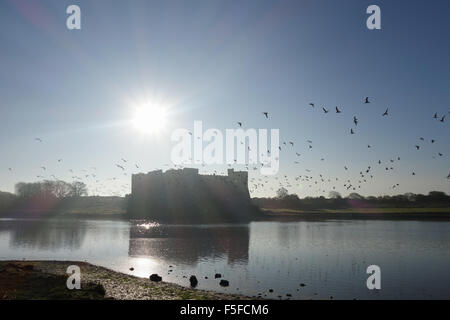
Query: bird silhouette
367	100
119	166
386	112
240	124
417	147
435	116
325	110
355	120
351	131
443	118
312	105
266	114
38	139
337	110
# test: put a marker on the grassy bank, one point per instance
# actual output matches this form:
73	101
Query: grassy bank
362	213
44	280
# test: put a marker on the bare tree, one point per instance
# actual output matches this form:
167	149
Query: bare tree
282	193
334	195
78	189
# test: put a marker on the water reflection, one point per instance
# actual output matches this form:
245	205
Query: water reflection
44	235
330	257
190	244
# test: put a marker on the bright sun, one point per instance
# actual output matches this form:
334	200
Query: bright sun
150	119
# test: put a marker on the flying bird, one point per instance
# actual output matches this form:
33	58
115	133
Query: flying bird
119	166
367	100
417	147
355	120
386	112
351	131
443	118
312	105
240	124
38	139
325	110
266	114
435	116
337	110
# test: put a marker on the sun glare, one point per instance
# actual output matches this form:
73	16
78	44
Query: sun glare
150	119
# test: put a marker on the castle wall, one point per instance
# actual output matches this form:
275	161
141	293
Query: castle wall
185	195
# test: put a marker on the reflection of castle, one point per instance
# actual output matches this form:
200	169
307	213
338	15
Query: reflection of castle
185	196
190	244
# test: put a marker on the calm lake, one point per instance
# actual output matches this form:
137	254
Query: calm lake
329	257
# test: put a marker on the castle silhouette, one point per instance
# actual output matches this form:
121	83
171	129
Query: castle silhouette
185	196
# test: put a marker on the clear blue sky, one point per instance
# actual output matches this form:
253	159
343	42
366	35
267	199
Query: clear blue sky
223	62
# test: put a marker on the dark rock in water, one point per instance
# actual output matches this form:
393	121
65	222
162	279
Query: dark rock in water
154	277
217	275
270	290
131	269
302	284
98	288
193	280
224	283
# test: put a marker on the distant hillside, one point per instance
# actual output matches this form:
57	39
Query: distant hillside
6	200
93	206
14	206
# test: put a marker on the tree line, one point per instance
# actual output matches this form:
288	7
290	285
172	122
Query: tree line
284	200
47	190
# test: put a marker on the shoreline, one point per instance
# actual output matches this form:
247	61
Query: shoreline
420	214
43	280
278	213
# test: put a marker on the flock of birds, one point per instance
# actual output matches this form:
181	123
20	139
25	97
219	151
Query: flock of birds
329	183
320	183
